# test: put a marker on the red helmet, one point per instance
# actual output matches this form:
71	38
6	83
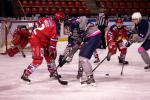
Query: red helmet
119	20
59	16
41	20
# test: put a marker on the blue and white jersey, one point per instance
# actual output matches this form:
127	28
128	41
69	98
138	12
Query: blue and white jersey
92	29
74	34
143	30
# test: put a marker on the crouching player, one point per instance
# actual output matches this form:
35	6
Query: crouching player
117	36
20	39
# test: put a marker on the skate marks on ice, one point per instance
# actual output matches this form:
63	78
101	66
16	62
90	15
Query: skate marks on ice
133	85
98	78
4	88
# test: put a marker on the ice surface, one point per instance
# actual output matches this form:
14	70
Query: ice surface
133	85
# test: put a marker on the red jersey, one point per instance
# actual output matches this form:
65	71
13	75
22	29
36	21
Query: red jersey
46	33
21	33
117	34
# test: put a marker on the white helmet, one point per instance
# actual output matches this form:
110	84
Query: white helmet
136	15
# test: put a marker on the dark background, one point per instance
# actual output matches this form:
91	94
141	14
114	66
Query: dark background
6	8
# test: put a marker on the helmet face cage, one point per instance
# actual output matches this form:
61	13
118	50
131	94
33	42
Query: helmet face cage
119	22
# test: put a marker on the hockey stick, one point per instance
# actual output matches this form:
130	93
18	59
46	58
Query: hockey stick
99	64
69	54
122	68
21	7
58	78
20	50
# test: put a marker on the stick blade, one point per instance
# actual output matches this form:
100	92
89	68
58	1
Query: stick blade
121	74
63	82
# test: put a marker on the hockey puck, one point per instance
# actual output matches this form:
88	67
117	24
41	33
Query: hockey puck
107	74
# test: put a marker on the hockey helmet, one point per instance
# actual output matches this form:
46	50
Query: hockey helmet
136	15
59	16
119	20
41	20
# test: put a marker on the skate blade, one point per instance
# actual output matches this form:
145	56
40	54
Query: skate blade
86	84
83	85
26	82
93	84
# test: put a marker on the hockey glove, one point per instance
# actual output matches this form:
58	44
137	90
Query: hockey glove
62	61
128	43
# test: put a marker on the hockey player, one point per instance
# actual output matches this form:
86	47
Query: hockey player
73	37
20	39
91	42
141	33
116	38
43	43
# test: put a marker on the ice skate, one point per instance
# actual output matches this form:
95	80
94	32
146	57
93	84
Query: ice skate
90	81
25	78
121	61
54	75
147	68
